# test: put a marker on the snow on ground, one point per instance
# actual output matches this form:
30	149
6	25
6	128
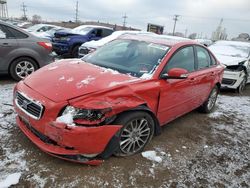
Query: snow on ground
11	179
13	162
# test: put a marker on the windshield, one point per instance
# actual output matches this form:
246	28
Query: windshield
82	30
231	50
129	56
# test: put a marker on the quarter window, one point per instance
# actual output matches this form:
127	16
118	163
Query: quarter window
202	57
184	58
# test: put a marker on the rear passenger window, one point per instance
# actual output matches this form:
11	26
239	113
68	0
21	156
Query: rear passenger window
106	32
2	33
17	34
184	58
5	33
202	57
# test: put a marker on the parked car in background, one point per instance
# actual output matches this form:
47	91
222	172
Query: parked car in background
236	57
24	25
68	43
21	53
40	28
90	46
50	33
116	99
205	42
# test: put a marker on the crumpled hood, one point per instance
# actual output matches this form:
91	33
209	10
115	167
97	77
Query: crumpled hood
68	79
229	60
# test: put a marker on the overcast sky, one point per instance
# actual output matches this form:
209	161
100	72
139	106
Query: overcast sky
200	16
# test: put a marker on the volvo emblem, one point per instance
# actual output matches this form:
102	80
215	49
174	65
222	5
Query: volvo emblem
25	104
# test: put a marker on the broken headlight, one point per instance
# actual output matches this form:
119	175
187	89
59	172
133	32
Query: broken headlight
85	116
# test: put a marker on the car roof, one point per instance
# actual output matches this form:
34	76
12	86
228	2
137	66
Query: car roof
158	39
94	26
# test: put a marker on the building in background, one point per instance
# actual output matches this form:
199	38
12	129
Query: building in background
219	33
3	10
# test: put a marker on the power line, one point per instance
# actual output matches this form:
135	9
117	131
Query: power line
124	20
24	9
175	20
76	18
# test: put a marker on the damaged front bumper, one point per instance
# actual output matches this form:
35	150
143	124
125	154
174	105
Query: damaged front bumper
232	79
88	145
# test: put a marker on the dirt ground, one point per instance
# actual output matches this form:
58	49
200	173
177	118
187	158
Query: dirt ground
198	150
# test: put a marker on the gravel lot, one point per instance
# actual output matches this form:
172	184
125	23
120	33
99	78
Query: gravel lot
197	150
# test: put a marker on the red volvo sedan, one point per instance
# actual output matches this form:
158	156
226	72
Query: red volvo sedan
114	100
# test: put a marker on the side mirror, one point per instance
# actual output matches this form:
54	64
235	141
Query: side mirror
175	73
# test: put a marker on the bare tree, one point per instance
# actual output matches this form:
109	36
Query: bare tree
36	19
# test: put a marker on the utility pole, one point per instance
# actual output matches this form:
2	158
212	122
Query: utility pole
24	9
186	31
124	20
76	19
175	20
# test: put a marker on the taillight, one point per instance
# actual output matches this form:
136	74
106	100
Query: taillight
46	45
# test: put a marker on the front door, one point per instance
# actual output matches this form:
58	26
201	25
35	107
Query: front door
177	95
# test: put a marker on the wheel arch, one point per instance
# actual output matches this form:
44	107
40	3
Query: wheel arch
37	64
145	108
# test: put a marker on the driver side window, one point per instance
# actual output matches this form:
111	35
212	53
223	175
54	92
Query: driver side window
184	58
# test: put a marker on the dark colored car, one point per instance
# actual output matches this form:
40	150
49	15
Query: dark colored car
68	43
114	100
21	53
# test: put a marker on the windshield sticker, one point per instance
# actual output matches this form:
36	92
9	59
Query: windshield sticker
158	46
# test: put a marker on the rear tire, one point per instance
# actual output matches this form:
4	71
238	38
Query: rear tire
209	104
137	131
22	67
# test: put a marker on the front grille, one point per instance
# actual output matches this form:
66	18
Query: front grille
30	107
227	81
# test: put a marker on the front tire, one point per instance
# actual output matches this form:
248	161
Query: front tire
209	104
242	86
22	67
75	51
137	131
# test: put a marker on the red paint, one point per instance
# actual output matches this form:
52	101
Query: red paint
64	85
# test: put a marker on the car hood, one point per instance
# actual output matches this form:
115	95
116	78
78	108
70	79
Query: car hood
66	33
68	79
229	60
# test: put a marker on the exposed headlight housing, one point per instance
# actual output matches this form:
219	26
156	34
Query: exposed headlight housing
86	116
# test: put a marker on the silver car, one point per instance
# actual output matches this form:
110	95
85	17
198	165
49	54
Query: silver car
21	53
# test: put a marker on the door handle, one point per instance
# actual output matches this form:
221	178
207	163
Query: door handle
5	44
192	80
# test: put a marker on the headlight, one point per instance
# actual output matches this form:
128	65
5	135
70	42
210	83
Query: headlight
65	39
86	116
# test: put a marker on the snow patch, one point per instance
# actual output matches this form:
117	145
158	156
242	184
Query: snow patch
67	119
71	79
151	155
52	68
62	78
85	82
11	179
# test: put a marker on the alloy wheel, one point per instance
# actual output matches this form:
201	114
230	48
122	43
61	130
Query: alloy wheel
24	68
134	136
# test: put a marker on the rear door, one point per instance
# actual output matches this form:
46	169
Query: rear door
8	43
205	74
